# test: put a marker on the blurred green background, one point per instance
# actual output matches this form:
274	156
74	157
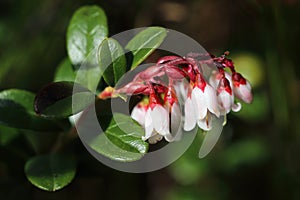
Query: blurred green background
257	156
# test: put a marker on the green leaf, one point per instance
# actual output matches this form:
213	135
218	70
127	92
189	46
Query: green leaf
65	71
124	132
144	43
50	172
62	99
16	108
112	61
86	30
121	139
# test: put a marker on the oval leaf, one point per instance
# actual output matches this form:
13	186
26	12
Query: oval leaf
112	60
65	71
120	138
124	132
144	43
62	99
16	108
50	172
87	29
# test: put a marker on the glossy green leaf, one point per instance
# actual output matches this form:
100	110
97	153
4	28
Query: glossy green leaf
124	132
65	71
122	136
62	99
144	43
50	172
16	108
112	61
86	30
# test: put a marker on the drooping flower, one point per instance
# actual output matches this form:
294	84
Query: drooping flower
154	118
173	108
226	98
241	88
223	85
156	123
216	76
201	103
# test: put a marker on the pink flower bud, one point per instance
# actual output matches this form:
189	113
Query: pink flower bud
241	88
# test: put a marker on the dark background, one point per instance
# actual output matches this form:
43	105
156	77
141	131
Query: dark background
257	156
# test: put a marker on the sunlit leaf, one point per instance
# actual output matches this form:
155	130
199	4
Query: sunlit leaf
120	143
120	138
86	30
112	61
144	43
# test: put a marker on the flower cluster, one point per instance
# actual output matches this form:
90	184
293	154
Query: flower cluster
178	86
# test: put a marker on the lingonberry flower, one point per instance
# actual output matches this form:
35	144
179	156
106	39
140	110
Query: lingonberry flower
221	81
154	118
226	98
201	103
139	112
172	106
241	88
156	121
216	76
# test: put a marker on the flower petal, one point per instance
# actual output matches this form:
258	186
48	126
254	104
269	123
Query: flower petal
160	118
243	92
236	107
148	125
138	114
225	100
211	100
205	123
190	119
199	103
176	122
